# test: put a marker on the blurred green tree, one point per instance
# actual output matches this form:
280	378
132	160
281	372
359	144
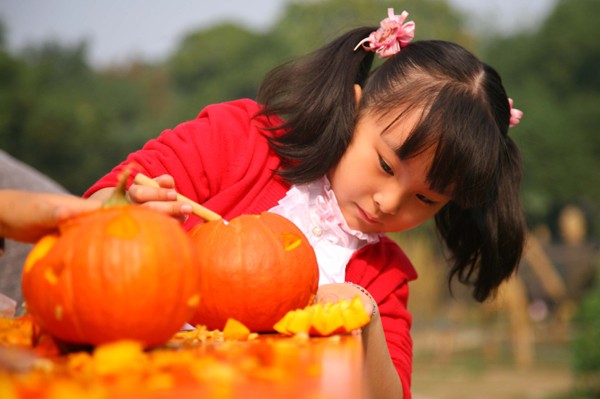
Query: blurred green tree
586	344
553	75
308	25
74	123
223	63
63	118
13	101
228	61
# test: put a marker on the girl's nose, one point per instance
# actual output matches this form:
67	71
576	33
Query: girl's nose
389	202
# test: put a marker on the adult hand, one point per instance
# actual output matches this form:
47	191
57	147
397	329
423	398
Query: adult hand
162	199
28	216
342	291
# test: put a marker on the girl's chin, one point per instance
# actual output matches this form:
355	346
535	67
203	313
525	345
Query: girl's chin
357	223
364	227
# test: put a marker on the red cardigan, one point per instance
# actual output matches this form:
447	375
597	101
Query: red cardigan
222	161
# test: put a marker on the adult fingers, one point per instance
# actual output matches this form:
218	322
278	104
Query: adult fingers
74	208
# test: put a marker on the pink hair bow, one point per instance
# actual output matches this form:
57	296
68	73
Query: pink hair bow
515	114
391	37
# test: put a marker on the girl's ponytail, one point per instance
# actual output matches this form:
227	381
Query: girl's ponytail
487	241
315	96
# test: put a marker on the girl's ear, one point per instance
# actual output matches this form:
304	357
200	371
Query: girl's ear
357	94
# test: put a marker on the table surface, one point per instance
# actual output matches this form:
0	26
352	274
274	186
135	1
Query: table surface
269	366
321	368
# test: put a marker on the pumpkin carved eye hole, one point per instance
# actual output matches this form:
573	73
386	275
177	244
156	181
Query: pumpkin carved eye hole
40	251
53	272
290	241
50	276
194	301
58	313
122	226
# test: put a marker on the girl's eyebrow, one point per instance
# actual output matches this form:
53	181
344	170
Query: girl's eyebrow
389	144
447	191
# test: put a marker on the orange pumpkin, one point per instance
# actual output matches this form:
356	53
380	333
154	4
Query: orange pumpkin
254	269
123	272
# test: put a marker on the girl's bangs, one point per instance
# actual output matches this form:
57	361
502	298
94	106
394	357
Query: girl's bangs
457	123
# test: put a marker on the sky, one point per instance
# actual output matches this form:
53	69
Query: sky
118	31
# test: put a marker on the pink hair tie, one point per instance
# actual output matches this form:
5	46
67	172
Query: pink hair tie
391	37
515	114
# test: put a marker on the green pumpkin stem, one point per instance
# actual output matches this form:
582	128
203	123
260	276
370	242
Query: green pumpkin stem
119	196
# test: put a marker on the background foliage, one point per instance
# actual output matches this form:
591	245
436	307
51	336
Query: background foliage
586	348
75	123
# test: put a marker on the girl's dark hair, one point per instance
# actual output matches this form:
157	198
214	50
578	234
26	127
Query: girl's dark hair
464	117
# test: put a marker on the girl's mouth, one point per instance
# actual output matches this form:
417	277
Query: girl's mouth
367	216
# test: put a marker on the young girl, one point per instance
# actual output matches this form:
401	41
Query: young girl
349	154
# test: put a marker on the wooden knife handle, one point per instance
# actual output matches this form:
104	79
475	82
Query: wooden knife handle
197	209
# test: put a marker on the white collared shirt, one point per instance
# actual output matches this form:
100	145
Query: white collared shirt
314	209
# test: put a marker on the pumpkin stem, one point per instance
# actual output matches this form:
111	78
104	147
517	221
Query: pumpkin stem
119	196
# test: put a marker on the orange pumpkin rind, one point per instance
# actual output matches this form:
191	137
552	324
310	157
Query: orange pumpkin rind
101	277
236	257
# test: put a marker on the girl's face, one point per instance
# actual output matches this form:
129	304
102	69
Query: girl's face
376	191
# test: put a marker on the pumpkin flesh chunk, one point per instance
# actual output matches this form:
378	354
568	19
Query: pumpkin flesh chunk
335	321
324	320
319	321
355	315
235	331
281	325
300	322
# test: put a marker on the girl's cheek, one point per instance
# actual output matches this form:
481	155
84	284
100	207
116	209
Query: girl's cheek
411	218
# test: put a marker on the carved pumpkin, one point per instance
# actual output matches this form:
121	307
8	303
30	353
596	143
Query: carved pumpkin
123	272
254	269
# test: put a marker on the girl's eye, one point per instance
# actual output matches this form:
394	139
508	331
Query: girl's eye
425	199
386	168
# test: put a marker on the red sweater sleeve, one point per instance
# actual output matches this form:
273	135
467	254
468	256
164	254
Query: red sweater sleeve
384	270
222	152
184	151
